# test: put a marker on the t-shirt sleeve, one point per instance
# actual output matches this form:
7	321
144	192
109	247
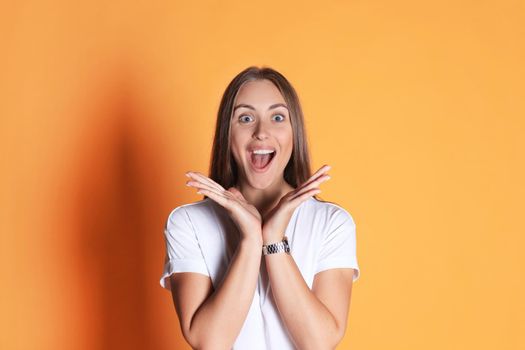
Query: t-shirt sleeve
183	253
338	249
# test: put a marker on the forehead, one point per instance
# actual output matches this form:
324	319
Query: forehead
259	93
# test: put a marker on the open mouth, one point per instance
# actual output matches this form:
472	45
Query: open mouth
261	161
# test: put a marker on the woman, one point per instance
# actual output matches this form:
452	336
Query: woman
260	262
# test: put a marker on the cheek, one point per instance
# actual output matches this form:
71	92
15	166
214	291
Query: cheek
237	148
286	140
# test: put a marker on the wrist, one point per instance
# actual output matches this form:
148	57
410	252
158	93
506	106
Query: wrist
272	239
269	237
276	247
252	241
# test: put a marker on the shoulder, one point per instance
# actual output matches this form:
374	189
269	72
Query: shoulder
184	211
329	212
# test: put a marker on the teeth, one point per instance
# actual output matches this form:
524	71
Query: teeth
262	151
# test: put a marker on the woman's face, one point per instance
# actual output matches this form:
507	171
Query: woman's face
261	124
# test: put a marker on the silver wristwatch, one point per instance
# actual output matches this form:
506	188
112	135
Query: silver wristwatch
278	247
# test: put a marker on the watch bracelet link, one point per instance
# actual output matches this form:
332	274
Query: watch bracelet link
278	247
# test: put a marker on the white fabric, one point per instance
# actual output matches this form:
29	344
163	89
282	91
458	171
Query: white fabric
200	237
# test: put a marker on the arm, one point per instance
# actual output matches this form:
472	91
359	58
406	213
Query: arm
316	319
217	322
213	320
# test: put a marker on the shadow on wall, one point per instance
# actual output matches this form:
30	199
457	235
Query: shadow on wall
122	208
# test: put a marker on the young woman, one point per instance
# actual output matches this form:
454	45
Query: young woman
260	262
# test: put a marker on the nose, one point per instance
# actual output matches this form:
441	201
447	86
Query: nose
260	132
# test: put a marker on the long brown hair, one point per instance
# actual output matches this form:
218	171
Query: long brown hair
223	168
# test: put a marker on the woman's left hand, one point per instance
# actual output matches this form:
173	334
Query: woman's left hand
277	219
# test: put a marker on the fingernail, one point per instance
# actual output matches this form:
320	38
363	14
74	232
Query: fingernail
199	192
328	177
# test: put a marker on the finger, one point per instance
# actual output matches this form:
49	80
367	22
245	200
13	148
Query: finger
322	178
198	176
219	198
226	199
316	175
200	185
320	171
314	183
304	196
302	191
204	179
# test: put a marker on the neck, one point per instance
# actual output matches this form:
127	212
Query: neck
265	199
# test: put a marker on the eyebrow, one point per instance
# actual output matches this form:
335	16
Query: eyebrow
251	107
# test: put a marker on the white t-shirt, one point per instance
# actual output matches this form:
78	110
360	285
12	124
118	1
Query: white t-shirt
201	237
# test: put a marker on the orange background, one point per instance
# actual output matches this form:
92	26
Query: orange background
418	106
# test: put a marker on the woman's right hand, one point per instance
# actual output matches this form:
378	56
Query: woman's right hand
245	215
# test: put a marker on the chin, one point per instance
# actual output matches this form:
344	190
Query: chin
262	181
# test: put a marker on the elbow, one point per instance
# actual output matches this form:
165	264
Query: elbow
323	341
337	337
207	342
331	340
195	341
337	342
206	337
190	339
212	345
336	334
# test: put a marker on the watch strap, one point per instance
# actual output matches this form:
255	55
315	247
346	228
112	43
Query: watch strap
278	247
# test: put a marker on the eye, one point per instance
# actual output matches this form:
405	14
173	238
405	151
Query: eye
281	119
244	118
